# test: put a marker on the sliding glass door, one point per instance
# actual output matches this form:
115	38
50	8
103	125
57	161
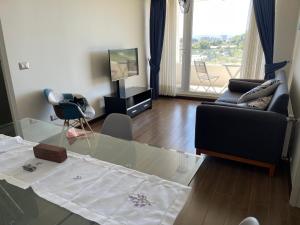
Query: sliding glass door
210	46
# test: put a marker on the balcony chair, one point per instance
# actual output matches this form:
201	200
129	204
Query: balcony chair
67	110
204	76
118	126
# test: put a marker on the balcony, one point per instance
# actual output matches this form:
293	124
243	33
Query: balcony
224	73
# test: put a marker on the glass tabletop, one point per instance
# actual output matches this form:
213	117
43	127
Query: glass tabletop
171	165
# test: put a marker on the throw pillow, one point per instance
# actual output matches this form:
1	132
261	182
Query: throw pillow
260	91
260	103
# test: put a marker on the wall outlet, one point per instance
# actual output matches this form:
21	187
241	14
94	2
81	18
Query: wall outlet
24	65
53	117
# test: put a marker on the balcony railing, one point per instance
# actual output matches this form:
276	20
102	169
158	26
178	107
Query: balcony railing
223	72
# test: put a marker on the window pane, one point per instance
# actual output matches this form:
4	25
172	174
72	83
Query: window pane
219	28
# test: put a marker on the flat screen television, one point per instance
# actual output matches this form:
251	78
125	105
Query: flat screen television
123	63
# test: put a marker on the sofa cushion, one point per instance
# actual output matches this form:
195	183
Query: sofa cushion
259	103
229	97
263	90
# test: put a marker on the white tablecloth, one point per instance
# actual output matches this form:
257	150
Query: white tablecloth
99	191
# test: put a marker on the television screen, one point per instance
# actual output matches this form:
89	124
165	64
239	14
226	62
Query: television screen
123	63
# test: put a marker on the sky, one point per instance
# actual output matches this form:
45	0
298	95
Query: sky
219	17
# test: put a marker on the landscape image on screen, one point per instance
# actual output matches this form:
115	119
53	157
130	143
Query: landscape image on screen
123	63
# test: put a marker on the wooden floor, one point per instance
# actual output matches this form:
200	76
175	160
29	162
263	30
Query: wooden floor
223	192
170	124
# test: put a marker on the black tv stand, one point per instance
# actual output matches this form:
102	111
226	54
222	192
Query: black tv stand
131	102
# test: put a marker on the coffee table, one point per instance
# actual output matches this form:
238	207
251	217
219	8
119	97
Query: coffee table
19	206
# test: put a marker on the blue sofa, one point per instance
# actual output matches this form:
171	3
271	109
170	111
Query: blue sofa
231	131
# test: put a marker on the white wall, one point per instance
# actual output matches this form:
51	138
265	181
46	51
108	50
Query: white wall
285	30
295	99
66	43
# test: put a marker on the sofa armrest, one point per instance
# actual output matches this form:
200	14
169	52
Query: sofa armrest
247	133
249	80
243	85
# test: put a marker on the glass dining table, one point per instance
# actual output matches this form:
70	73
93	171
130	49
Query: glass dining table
24	207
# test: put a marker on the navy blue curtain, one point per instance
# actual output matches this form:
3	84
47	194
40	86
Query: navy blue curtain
157	32
265	20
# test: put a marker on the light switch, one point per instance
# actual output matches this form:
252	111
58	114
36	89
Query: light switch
24	65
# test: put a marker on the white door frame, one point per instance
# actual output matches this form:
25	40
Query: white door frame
295	162
187	48
7	77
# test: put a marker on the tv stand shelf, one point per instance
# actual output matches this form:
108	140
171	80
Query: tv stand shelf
134	101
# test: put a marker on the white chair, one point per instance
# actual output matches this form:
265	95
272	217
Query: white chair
249	221
118	126
204	76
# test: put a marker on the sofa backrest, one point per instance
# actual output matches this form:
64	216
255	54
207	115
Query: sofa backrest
280	100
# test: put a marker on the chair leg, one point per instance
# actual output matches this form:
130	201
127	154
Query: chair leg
81	124
86	134
86	122
211	85
200	82
76	123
